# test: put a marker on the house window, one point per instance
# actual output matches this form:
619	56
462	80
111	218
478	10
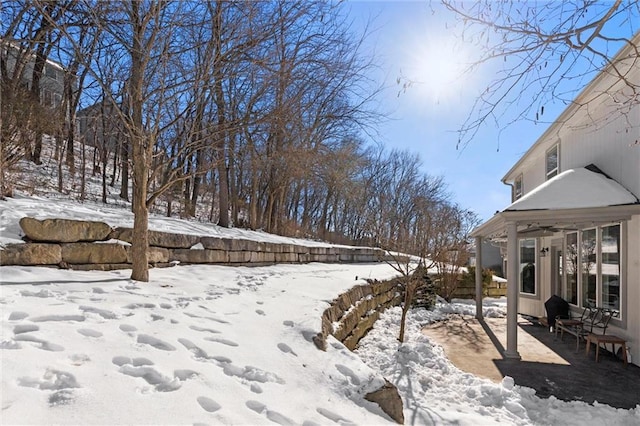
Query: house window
610	274
50	72
517	188
552	163
593	267
571	268
589	267
47	98
527	276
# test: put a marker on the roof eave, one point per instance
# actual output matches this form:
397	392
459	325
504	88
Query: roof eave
578	217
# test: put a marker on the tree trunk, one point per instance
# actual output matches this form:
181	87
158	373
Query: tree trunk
197	180
124	179
140	243
223	197
140	146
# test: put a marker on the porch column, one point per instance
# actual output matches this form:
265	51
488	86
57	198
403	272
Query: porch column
512	292
479	277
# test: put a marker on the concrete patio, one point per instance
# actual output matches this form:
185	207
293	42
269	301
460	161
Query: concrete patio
548	365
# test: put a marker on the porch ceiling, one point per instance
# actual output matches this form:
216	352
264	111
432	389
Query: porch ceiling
575	199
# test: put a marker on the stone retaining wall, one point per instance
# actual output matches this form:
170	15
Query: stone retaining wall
350	317
95	245
352	314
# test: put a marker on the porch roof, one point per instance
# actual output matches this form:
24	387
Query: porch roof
576	197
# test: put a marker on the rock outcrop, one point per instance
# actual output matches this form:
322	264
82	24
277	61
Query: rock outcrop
63	230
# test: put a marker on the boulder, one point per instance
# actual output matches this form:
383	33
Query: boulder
158	255
100	266
215	243
31	254
80	253
200	256
158	239
388	398
64	230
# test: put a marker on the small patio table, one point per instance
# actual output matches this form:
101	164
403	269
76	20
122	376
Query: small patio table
569	325
607	338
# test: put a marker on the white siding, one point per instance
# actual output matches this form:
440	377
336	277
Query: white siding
596	133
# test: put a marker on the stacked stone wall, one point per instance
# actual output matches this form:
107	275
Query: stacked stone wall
350	317
87	245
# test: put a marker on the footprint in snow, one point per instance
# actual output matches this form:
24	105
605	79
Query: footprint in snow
60	382
160	382
25	328
252	374
197	352
155	342
221	340
87	332
141	368
102	312
42	293
286	349
336	418
136	362
184	375
260	312
139	305
45	318
309	335
17	315
274	416
208	404
42	344
221	321
348	373
207	330
288	323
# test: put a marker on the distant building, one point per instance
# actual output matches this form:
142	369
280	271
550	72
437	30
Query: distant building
99	126
491	257
17	66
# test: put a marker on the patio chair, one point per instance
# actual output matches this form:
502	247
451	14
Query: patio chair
575	326
599	321
592	321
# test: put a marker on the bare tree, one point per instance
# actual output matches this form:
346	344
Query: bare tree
451	235
546	51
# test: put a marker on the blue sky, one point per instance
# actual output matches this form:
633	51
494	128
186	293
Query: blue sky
408	39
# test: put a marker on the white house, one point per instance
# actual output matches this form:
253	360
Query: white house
573	228
18	65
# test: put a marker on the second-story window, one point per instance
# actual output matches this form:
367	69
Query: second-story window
50	72
517	188
552	162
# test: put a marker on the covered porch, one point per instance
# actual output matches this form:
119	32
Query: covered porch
571	201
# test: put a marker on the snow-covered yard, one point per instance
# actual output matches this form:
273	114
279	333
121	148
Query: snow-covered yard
229	345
